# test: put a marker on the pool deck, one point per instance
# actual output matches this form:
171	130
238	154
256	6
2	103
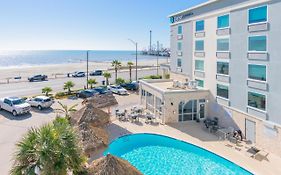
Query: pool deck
194	133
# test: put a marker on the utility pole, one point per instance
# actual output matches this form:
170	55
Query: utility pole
157	57
136	61
150	40
136	45
87	69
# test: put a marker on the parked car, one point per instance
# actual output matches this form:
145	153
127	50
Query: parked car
15	105
117	90
131	86
96	73
37	78
86	93
40	102
78	74
101	90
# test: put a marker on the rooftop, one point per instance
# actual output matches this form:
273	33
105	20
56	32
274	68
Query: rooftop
168	86
194	7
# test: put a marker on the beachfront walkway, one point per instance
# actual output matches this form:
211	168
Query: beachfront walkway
194	133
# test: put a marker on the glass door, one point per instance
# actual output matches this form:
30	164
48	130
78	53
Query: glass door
202	107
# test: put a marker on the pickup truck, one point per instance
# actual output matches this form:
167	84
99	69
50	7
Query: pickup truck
15	105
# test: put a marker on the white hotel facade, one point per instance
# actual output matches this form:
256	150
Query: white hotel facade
232	49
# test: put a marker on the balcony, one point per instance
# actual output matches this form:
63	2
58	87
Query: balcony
256	112
223	101
261	56
199	74
261	85
258	27
223	32
223	78
200	34
223	55
180	37
179	54
199	54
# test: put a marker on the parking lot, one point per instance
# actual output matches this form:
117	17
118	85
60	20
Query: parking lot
13	128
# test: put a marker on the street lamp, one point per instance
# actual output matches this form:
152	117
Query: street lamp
136	44
87	69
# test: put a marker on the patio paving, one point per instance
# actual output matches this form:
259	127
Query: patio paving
194	133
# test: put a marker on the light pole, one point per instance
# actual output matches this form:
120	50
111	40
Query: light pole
157	58
87	69
136	44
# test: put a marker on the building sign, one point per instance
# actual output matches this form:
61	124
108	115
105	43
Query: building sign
178	18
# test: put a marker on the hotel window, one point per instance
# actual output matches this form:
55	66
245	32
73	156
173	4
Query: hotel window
222	91
257	101
257	72
257	15
179	62
199	45
179	46
179	30
223	21
200	83
200	26
199	65
223	68
257	43
223	44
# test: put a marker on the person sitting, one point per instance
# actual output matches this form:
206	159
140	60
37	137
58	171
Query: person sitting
238	135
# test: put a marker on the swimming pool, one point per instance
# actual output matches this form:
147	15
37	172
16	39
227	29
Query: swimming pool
161	155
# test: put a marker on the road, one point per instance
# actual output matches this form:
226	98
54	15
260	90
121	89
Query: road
23	89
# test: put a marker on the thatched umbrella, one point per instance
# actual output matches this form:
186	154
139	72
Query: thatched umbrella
101	101
111	165
93	138
91	115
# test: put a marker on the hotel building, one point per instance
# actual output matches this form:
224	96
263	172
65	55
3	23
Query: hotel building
225	63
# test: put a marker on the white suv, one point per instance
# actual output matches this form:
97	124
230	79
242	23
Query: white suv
40	102
15	105
118	90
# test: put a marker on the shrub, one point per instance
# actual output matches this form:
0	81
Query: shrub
167	76
120	81
60	94
153	77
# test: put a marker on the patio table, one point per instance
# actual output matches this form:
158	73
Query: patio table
224	132
134	116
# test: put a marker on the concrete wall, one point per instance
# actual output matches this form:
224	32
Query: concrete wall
172	101
236	113
187	45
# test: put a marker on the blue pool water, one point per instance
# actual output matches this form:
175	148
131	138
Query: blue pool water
160	155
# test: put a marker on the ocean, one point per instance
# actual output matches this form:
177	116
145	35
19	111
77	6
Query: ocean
9	59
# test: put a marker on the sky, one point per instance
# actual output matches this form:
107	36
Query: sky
86	24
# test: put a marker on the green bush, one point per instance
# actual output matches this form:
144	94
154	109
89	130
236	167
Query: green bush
153	77
60	94
167	76
120	81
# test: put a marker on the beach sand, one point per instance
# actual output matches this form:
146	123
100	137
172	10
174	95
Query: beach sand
63	69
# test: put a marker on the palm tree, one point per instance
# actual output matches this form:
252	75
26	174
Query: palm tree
107	75
68	85
117	65
67	110
51	149
91	82
130	64
47	90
